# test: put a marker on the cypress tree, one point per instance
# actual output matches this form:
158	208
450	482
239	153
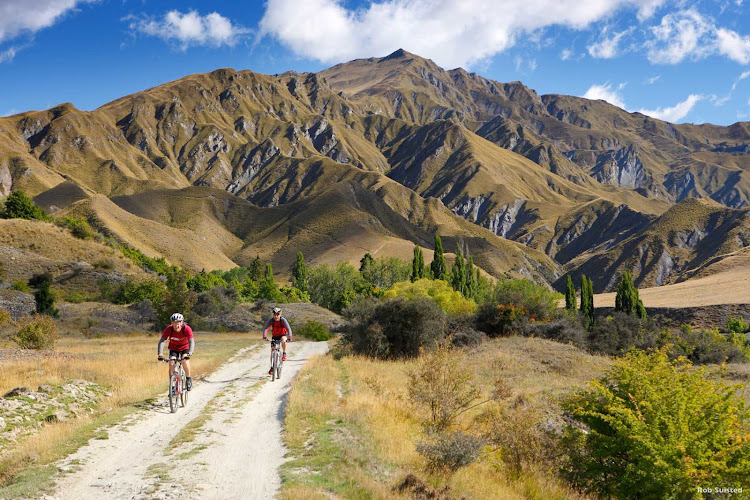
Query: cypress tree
438	266
367	267
458	272
587	301
590	300
570	296
268	288
299	274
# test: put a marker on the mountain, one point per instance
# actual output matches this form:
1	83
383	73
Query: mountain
377	155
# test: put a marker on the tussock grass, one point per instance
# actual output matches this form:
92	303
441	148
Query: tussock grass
126	366
352	429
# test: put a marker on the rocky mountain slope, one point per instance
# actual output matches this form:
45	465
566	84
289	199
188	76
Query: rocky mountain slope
379	154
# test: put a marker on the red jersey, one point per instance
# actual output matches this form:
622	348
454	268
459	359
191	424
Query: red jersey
178	341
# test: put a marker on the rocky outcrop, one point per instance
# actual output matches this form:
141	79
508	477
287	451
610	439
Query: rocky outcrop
621	168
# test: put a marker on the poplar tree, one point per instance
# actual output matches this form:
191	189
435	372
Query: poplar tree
438	266
570	296
471	281
627	299
299	274
458	272
417	264
587	301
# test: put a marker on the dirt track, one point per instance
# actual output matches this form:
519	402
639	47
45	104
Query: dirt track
235	452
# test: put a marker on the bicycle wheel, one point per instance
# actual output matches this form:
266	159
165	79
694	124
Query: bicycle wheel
184	392
278	369
173	393
274	363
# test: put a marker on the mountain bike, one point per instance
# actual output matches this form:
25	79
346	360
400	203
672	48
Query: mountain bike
177	385
276	362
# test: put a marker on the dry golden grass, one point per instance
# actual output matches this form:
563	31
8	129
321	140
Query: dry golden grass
352	429
126	366
726	287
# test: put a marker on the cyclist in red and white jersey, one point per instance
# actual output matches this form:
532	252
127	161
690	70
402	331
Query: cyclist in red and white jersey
280	330
181	345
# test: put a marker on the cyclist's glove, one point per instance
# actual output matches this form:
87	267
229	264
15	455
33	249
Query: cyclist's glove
186	356
161	358
265	337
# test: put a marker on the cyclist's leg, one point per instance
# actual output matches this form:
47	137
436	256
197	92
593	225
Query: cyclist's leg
283	343
186	365
172	355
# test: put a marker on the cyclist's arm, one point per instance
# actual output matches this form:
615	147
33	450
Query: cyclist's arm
159	347
192	346
288	328
265	329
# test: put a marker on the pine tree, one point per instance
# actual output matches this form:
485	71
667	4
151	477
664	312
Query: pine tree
458	272
417	264
570	296
299	274
471	281
438	266
268	288
627	299
19	206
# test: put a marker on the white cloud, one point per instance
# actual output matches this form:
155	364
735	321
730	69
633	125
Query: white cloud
606	46
21	16
674	113
733	45
189	29
8	54
653	79
532	65
566	54
680	35
449	32
606	93
744	75
517	61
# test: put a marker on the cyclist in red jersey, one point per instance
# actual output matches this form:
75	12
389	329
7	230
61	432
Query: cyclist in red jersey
181	345
280	329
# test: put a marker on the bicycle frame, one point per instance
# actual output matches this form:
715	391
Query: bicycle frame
177	384
276	362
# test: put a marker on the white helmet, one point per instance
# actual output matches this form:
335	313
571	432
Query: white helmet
277	310
177	317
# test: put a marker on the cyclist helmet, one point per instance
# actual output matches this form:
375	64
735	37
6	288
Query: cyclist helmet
277	310
177	317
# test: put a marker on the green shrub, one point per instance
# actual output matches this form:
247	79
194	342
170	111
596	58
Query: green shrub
565	329
79	227
21	286
216	301
4	317
448	299
293	294
314	330
36	332
334	288
44	297
737	325
707	346
75	297
539	302
618	333
657	427
159	265
19	206
131	292
178	298
449	451
396	328
204	281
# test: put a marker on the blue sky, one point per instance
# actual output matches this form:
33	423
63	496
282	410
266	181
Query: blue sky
678	60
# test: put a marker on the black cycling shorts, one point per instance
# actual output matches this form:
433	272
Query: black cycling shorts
178	354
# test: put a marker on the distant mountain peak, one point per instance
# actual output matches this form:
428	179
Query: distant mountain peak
400	53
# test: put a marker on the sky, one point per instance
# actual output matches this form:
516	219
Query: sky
677	60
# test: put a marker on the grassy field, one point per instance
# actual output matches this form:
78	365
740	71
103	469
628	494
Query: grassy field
352	429
126	366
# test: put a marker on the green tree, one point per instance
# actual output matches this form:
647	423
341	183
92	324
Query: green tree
299	274
334	288
367	267
268	289
570	296
458	272
19	206
657	427
45	300
471	279
178	298
256	269
417	264
438	266
627	299
587	302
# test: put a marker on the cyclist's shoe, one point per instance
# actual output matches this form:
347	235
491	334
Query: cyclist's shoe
270	372
189	383
283	358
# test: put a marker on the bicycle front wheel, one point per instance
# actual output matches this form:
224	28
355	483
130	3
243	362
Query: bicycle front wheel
274	365
173	393
183	392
